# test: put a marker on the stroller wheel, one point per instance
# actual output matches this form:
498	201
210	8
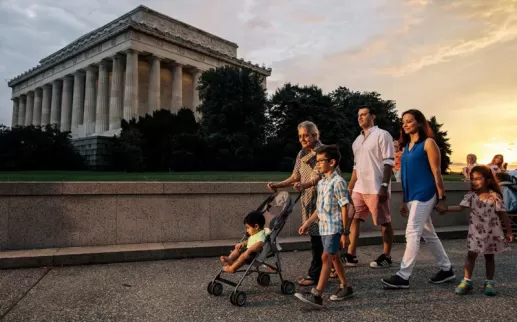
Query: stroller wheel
263	279
238	298
288	287
217	288
209	288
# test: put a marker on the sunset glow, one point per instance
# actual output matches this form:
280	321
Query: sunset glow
451	59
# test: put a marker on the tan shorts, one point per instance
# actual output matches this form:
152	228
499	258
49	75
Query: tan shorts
369	203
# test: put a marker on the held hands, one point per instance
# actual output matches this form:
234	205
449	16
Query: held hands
441	207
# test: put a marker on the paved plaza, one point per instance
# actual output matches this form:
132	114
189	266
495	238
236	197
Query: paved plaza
175	290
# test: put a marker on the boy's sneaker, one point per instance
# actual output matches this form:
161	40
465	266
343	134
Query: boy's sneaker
395	282
349	260
382	261
464	287
342	293
489	287
310	298
442	277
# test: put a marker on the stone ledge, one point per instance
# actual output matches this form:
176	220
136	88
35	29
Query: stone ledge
36	188
172	250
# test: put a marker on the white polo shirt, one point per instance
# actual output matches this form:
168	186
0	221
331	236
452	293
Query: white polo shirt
371	153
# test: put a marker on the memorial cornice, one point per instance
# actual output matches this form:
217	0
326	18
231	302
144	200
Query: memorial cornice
146	28
124	23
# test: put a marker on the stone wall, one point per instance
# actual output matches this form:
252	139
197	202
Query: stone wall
69	214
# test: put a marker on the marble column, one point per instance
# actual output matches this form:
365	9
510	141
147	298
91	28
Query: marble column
45	105
177	88
78	100
16	106
90	100
29	108
55	106
131	85
116	103
66	103
21	110
195	93
154	85
36	116
102	108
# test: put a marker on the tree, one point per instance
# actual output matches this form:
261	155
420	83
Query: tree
233	115
37	148
153	143
443	143
293	104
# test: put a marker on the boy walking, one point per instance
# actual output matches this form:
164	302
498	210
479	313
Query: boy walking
332	208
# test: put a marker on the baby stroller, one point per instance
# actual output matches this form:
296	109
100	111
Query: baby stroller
276	209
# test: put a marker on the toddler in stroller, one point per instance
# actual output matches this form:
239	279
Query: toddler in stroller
257	246
246	251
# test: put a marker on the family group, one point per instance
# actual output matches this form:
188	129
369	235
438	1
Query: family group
332	209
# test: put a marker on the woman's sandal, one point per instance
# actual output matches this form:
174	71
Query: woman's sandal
306	281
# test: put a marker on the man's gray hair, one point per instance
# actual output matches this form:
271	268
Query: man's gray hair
311	128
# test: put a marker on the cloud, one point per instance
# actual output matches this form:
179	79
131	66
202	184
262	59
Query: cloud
448	58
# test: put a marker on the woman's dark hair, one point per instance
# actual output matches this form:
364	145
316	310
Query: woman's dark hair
424	130
487	173
255	218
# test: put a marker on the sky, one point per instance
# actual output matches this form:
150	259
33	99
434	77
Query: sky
453	59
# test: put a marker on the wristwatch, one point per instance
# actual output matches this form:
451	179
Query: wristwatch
442	197
384	184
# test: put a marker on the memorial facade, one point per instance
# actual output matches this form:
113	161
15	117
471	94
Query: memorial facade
134	65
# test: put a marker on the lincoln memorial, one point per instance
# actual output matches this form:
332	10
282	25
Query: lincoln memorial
134	65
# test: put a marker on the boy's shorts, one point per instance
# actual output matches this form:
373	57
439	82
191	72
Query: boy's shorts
250	258
365	204
331	243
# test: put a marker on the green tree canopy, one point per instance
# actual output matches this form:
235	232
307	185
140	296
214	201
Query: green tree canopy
443	143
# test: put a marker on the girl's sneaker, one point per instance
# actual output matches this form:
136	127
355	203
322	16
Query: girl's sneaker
464	287
489	287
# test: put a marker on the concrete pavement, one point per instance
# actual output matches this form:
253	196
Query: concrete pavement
175	290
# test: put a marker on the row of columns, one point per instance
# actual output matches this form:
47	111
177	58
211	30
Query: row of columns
86	98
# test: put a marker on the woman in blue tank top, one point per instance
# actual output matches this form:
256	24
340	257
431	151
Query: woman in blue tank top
422	186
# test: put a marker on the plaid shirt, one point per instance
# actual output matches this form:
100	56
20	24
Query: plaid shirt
332	195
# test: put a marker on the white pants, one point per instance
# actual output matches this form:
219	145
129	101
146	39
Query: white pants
420	225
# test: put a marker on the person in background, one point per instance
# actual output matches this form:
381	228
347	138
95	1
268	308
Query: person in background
471	163
497	164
